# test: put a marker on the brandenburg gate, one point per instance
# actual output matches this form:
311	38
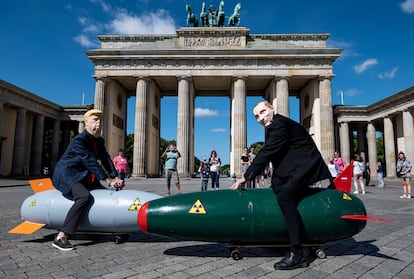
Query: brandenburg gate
210	61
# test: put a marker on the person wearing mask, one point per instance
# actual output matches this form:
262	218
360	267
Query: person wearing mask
78	172
297	164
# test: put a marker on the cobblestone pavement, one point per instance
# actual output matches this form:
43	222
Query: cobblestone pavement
381	250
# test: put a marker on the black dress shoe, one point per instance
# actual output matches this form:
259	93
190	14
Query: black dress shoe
292	261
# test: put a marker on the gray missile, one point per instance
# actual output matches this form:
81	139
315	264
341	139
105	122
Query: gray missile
110	211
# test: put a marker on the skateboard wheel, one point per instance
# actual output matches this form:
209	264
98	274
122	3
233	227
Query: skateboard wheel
118	240
235	254
320	253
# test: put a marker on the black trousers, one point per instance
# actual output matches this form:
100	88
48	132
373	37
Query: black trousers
82	197
288	199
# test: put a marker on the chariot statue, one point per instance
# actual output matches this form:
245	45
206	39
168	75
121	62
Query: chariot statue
191	17
212	17
234	19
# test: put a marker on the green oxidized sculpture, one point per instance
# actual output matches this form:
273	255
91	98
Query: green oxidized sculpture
213	18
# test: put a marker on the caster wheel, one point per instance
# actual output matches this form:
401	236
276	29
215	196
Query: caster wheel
118	240
235	254
320	253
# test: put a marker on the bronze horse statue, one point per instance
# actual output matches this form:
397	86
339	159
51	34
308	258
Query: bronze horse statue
220	15
191	18
234	19
203	15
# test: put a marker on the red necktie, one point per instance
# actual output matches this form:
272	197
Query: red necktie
95	152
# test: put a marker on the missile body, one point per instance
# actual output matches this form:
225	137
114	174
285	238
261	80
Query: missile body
111	211
249	216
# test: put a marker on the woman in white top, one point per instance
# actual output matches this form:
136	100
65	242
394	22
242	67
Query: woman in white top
333	168
358	179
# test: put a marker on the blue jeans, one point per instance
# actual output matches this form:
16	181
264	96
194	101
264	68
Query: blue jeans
214	179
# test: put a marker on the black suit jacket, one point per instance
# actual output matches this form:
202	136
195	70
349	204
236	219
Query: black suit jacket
296	159
79	161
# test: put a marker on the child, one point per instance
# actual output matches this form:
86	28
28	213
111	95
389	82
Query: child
205	173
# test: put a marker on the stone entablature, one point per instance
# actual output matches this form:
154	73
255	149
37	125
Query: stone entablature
213	38
14	96
395	104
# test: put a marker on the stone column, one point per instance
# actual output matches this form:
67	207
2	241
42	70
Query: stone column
1	122
238	123
2	136
99	101
282	93
389	146
55	144
81	126
36	156
191	139
273	93
326	115
140	128
408	129
344	141
19	143
372	149
361	142
183	125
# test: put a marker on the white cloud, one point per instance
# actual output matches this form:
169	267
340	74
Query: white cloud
353	92
390	75
201	112
123	22
359	69
345	46
105	6
68	8
84	41
158	22
219	130
407	6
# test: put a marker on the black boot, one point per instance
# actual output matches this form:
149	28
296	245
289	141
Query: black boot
294	259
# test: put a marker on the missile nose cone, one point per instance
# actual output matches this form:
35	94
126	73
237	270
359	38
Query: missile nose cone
142	217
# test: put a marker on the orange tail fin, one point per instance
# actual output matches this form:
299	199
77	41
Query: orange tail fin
43	184
343	182
26	228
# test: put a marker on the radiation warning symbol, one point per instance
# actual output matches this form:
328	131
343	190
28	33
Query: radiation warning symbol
346	197
136	205
33	203
197	208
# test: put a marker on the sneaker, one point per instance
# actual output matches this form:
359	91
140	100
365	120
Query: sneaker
62	244
363	192
355	192
408	196
403	196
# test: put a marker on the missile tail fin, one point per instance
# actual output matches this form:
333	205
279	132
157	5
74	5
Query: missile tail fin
26	228
343	182
43	184
366	218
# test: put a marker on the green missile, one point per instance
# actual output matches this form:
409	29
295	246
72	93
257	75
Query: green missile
252	216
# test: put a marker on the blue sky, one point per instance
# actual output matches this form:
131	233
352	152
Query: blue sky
43	45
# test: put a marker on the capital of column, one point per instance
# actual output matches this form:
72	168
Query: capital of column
100	78
278	78
144	78
184	77
324	77
235	78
